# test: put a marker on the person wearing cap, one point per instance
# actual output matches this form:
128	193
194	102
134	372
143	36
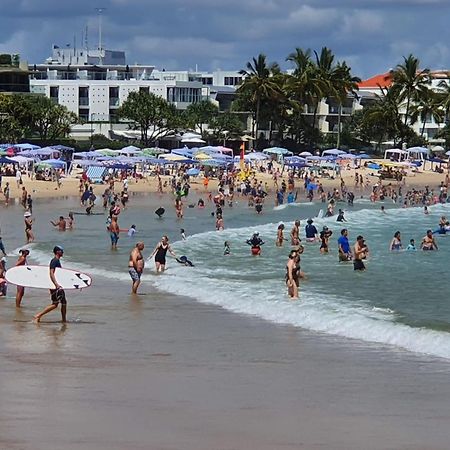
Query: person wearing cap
325	235
255	242
21	261
57	295
360	252
310	231
28	227
136	266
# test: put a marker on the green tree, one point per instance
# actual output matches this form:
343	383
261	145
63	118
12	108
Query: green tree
15	117
259	86
151	114
428	105
48	119
200	114
226	125
411	81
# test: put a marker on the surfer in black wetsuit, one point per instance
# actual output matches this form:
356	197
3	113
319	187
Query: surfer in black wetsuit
160	252
255	242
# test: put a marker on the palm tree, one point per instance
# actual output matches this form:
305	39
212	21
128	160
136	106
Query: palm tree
342	83
411	81
384	115
260	84
444	97
427	106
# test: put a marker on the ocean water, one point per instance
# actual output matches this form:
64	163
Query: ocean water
401	300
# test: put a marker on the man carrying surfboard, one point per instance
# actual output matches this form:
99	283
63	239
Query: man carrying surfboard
57	295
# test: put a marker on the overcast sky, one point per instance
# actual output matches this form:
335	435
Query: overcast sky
371	35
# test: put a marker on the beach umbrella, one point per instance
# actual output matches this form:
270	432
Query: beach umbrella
193	172
185	152
438	148
304	154
277	151
173	157
333	152
202	156
363	156
5	160
152	151
447	153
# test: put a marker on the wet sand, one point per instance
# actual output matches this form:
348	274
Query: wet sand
162	372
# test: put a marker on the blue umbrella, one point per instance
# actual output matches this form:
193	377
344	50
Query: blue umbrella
193	172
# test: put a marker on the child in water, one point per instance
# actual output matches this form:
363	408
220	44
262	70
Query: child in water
412	246
226	248
183	234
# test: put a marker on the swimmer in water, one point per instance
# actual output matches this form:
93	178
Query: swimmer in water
425	210
226	248
255	242
280	236
311	231
292	278
345	253
132	231
114	231
340	217
325	235
183	234
160	252
396	243
28	227
61	223
428	242
412	246
360	251
295	233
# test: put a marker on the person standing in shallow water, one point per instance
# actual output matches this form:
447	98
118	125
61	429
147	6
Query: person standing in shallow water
136	266
22	261
57	295
160	252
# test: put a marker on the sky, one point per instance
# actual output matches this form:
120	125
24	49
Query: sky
372	36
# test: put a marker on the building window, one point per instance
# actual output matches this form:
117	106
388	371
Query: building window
183	95
207	81
83	96
113	96
145	89
232	81
54	93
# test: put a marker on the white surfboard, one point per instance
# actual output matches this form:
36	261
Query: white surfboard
39	277
320	214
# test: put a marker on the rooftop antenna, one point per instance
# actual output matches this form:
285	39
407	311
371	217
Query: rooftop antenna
86	38
100	11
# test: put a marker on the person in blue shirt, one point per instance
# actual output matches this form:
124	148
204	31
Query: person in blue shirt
412	246
311	231
345	253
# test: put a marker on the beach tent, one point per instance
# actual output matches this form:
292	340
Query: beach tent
185	152
294	159
277	151
172	157
152	151
333	152
396	153
130	150
95	173
56	163
62	148
82	155
6	160
26	146
418	153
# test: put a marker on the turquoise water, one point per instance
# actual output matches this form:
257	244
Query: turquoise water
401	300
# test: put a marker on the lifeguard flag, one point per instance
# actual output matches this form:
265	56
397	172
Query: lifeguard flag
241	156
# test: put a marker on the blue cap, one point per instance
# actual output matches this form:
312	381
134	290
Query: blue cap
58	248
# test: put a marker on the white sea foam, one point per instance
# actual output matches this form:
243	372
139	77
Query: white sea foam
247	285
